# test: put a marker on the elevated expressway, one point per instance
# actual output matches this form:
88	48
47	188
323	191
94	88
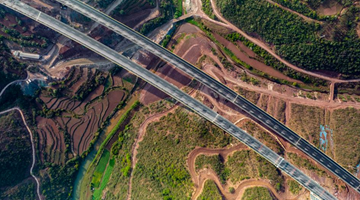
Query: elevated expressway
241	102
172	91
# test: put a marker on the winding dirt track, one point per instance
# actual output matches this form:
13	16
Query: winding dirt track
226	23
200	178
142	131
32	147
294	12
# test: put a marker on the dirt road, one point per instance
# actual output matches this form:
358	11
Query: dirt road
142	131
32	147
294	12
261	44
200	178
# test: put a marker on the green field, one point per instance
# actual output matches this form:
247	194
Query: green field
100	168
98	192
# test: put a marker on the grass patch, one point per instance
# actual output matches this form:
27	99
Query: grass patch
252	96
98	192
115	129
346	128
294	187
258	193
247	164
210	191
263	136
100	168
306	121
305	163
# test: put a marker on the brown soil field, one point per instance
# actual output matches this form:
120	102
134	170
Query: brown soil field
146	59
329	7
79	133
78	83
135	13
46	99
58	103
105	107
187	29
117	80
79	109
50	139
51	102
244	54
97	92
114	97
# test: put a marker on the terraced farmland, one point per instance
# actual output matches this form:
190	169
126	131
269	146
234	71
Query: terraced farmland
75	109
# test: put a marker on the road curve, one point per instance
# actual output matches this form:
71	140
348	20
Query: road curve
251	109
199	178
269	50
141	134
172	91
32	147
13	82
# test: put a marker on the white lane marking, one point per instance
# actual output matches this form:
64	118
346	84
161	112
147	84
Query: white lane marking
215	118
277	165
37	18
297	142
235	99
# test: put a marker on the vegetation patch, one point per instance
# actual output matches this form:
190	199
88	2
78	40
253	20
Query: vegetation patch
210	191
258	193
161	164
216	162
345	125
294	187
306	121
291	34
15	150
167	12
247	164
98	191
207	8
305	163
100	168
24	191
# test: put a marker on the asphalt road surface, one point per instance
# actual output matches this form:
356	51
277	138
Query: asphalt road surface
241	102
172	91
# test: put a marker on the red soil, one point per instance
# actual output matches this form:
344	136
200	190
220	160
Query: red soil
133	19
45	99
50	103
117	80
79	133
187	29
82	79
114	97
97	92
252	62
50	138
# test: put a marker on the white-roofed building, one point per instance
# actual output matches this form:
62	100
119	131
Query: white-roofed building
23	55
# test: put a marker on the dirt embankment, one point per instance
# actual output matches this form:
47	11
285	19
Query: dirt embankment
142	132
200	178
